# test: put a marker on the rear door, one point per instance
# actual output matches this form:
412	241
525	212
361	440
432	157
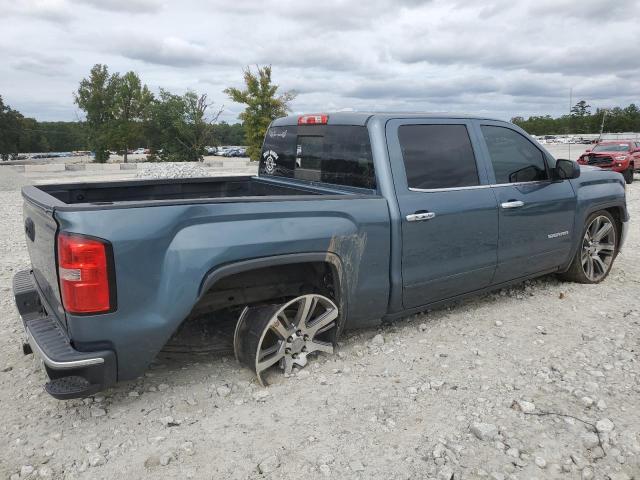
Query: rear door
448	211
536	213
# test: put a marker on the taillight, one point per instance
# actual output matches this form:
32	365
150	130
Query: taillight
315	119
84	269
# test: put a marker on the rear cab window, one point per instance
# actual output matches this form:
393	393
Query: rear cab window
334	154
438	156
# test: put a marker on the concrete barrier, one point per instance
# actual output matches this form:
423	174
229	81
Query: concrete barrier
15	168
103	166
73	167
128	166
48	167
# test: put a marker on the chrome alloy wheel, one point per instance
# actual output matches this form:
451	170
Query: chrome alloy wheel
286	334
598	248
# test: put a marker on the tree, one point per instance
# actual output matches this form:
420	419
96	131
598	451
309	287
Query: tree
96	96
129	109
262	106
10	131
581	109
181	125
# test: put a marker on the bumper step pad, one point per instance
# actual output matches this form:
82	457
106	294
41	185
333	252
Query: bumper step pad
64	388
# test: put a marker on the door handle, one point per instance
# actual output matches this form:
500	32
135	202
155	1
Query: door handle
420	216
512	204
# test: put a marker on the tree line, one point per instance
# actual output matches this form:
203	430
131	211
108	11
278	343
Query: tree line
582	120
120	110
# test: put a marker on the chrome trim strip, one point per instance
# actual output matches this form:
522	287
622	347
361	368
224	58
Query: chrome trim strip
449	189
474	187
60	365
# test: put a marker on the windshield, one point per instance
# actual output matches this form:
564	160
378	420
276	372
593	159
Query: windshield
338	154
611	147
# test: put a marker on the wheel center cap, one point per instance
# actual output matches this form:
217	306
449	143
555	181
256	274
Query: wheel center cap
297	344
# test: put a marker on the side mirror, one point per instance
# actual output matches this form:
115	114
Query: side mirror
566	169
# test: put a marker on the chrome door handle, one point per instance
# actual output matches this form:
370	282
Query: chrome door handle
512	204
419	217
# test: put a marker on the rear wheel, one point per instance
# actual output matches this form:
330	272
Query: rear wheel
284	335
598	249
628	175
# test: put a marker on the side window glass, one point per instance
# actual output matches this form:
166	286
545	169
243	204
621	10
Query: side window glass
515	159
438	156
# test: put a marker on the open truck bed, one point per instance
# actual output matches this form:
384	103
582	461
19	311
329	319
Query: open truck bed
75	196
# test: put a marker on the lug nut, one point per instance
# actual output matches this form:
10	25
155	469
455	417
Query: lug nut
290	339
306	338
304	349
287	351
299	332
294	356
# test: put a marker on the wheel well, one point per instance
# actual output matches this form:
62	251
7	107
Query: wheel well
269	283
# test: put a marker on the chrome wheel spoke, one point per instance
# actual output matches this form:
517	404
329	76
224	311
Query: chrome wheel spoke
278	327
262	365
606	247
597	262
318	346
322	321
602	232
307	306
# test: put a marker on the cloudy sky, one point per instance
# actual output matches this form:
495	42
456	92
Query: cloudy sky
496	57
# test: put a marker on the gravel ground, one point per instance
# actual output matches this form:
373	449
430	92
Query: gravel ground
509	385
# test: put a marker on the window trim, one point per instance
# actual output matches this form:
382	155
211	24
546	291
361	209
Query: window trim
481	124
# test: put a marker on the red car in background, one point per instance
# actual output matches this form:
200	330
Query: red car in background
620	156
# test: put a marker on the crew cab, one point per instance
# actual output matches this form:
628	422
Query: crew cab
353	218
620	156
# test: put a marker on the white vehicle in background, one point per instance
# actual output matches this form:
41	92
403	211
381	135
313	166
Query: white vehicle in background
139	151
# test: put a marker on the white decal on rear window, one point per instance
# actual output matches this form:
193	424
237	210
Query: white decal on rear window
270	158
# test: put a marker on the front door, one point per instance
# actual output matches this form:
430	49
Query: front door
448	211
536	213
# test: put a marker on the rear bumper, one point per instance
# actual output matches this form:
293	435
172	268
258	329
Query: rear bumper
73	373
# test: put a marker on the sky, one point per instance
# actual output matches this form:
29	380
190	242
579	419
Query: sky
499	58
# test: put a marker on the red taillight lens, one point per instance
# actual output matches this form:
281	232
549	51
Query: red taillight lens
84	274
315	119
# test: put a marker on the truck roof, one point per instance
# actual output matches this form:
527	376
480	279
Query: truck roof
361	118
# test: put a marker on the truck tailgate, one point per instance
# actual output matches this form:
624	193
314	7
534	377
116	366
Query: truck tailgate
40	231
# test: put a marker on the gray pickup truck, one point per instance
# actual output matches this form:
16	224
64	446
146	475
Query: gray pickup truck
353	218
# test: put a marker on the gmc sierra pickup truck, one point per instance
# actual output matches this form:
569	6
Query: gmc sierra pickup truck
353	218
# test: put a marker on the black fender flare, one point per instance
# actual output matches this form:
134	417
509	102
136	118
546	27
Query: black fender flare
221	271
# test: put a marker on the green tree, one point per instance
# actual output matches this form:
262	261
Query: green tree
263	105
96	96
130	106
10	131
181	125
581	109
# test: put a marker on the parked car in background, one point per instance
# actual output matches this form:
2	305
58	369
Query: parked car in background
140	151
621	156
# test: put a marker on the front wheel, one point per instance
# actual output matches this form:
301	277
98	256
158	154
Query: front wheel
628	175
598	249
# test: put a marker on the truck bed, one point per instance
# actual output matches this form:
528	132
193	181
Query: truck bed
180	191
106	193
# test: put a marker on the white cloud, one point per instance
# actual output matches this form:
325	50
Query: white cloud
496	57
